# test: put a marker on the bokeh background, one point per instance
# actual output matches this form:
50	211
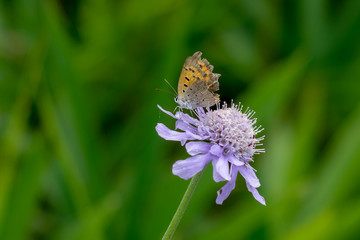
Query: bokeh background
79	155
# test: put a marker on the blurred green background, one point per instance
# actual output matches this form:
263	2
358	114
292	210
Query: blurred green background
79	155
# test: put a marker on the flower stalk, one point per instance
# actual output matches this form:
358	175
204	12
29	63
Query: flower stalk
182	206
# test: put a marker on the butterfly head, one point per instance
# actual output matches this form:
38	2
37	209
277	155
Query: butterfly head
184	103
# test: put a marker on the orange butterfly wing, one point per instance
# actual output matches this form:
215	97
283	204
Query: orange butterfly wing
197	70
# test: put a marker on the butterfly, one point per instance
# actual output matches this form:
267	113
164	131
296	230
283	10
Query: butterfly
197	83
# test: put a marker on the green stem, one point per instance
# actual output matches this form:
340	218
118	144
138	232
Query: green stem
182	207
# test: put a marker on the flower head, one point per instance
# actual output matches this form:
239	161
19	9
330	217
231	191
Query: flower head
225	137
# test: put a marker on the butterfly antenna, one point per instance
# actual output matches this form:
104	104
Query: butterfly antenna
171	86
162	90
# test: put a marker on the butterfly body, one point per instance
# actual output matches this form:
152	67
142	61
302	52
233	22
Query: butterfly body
197	84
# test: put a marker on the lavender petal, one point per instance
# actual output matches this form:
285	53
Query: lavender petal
167	112
256	194
186	118
250	177
225	191
216	150
193	136
247	159
216	176
182	125
222	167
171	135
194	148
234	160
189	167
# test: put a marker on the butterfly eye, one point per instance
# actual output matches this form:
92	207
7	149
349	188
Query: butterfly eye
176	99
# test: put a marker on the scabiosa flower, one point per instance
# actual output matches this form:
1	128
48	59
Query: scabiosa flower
225	137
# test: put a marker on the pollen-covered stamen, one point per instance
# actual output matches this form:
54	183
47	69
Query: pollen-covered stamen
231	129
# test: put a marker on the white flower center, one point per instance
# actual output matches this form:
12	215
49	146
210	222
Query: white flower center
232	130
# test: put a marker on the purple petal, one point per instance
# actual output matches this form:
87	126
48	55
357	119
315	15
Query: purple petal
168	134
256	194
216	176
250	177
193	136
225	191
216	150
194	148
234	160
167	112
185	127
186	118
222	167
189	167
247	159
172	135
